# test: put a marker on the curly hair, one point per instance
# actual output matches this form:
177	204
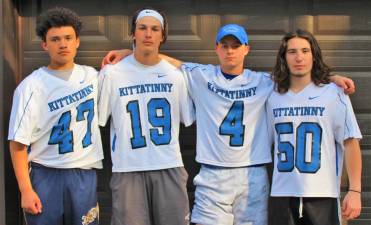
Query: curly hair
281	74
57	17
134	23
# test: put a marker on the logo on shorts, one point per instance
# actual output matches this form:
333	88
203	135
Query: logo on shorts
91	215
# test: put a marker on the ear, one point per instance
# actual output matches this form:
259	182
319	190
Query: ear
216	47
247	49
44	46
77	42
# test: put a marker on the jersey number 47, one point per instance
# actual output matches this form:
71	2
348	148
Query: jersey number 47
61	134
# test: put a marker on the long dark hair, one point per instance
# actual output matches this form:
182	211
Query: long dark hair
281	74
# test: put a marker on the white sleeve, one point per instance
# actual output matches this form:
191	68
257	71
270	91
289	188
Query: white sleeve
24	114
268	79
187	109
350	125
104	96
270	123
191	72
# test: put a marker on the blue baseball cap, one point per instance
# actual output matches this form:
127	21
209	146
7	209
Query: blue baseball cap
234	30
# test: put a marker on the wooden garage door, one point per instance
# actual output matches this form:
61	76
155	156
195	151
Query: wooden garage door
343	29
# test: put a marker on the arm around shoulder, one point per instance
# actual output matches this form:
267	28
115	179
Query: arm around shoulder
115	56
344	82
175	62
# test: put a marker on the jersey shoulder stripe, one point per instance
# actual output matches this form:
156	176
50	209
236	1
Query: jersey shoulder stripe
24	110
190	67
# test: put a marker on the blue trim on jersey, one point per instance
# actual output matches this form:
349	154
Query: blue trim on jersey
228	76
101	87
337	159
346	114
190	68
29	149
114	143
24	110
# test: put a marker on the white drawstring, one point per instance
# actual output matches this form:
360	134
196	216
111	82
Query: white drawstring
301	208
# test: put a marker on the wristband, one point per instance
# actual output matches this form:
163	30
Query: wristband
351	190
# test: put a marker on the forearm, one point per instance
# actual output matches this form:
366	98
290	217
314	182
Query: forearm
18	154
346	83
175	62
353	163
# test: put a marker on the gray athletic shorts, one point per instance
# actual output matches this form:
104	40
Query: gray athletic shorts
156	197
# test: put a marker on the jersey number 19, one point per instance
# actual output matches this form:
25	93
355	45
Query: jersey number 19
159	116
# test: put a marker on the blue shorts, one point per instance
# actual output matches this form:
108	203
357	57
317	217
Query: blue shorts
68	196
231	196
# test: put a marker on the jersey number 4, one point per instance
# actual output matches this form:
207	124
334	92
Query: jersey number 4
61	134
286	152
159	116
232	124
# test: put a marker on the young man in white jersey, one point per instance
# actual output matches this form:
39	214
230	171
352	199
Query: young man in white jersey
55	141
147	99
232	186
314	128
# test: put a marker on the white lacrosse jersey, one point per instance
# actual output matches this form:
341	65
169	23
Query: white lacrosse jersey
58	119
309	129
230	114
146	105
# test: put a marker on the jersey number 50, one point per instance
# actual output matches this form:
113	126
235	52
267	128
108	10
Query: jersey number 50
287	150
61	134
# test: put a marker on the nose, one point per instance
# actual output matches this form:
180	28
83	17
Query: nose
229	49
63	43
299	56
148	32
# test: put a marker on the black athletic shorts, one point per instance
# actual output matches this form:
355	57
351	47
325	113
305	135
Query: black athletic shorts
315	211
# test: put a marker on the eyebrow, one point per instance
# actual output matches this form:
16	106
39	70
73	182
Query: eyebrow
288	49
148	25
65	35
